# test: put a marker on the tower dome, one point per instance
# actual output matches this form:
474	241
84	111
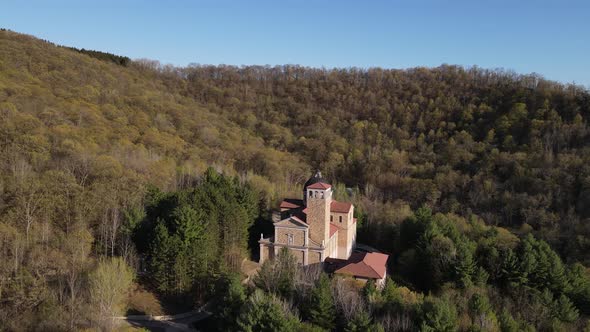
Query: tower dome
317	177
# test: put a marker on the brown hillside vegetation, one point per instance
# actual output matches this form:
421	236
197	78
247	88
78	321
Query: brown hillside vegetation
100	160
80	139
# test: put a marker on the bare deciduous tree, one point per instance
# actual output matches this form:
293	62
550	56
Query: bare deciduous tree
394	322
348	299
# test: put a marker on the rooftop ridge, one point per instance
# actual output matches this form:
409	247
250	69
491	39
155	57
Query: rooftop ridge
319	185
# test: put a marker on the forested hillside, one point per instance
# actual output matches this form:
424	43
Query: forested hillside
512	149
477	182
81	140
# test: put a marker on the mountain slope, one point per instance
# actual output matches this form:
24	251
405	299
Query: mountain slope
513	149
74	104
510	148
83	138
80	141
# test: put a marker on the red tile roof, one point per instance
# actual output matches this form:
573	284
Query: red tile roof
291	203
319	185
333	229
365	265
340	207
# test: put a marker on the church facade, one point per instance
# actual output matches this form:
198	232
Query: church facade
313	228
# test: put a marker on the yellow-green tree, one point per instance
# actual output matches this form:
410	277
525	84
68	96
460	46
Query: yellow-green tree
109	285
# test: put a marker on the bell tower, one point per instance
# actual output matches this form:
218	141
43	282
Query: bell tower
317	177
318	199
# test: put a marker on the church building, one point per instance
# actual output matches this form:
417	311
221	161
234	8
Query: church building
313	228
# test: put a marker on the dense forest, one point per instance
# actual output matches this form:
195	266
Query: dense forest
126	182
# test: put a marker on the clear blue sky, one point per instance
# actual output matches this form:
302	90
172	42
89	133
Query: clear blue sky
551	38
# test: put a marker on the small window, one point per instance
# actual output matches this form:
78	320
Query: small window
289	238
340	219
321	195
331	218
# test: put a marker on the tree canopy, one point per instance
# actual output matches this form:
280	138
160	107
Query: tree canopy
475	181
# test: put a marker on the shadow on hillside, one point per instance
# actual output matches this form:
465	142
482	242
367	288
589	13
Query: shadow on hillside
169	304
262	225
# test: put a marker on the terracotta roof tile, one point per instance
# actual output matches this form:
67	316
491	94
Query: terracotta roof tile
317	177
289	203
340	207
365	265
319	185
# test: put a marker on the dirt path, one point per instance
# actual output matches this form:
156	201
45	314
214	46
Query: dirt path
181	322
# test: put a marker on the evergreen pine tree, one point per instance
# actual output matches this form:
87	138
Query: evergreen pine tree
370	290
438	315
362	322
509	271
321	310
527	260
464	265
481	312
391	295
286	267
565	310
266	313
231	297
507	322
579	290
160	263
556	276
